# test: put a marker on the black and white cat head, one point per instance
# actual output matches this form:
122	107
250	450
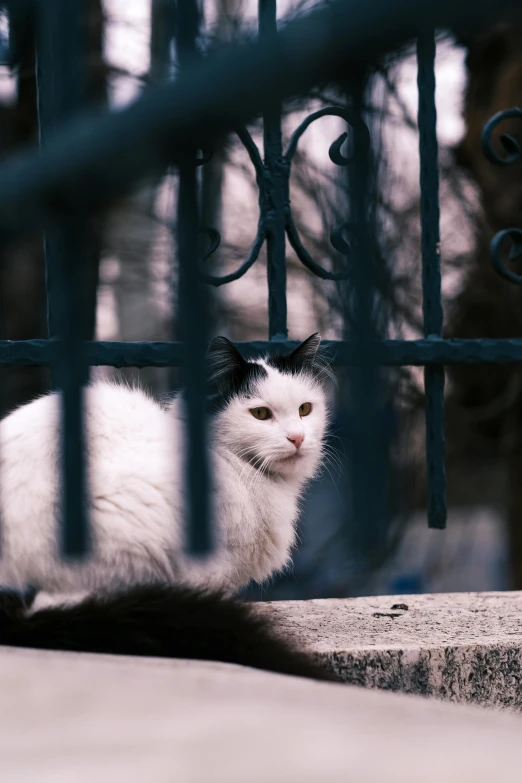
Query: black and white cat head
234	374
272	411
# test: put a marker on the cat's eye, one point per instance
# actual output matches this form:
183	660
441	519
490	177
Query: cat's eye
261	413
305	409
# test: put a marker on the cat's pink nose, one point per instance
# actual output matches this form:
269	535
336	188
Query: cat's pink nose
296	439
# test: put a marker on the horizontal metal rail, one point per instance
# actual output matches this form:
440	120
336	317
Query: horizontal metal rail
393	353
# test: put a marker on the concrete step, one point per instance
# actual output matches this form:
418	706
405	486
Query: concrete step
83	718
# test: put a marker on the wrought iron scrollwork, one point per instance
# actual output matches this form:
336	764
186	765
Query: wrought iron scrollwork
337	238
215	240
510	145
335	154
496	251
513	152
257	162
338	241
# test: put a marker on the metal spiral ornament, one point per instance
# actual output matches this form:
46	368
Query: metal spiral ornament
264	179
511	146
512	154
514	235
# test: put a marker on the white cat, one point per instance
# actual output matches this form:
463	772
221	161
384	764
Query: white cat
266	438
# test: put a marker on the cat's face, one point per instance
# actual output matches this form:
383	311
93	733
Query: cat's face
272	413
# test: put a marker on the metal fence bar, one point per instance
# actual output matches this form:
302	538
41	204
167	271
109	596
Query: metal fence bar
192	309
431	279
366	435
275	191
58	74
60	58
392	353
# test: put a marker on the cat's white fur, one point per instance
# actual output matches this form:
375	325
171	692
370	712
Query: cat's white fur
135	451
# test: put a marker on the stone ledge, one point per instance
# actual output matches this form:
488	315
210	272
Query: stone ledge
465	647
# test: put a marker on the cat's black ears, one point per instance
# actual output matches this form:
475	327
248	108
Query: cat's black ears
306	353
225	361
224	358
304	358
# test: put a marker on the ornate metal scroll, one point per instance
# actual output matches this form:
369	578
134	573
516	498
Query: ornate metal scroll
512	152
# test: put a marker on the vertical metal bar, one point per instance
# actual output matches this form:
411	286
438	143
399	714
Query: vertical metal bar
60	90
431	279
368	430
276	193
192	309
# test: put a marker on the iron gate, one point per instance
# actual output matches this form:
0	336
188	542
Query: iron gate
85	163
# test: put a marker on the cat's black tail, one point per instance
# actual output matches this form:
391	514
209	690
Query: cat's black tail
166	622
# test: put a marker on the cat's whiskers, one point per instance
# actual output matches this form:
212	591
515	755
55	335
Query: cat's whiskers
266	468
256	478
326	371
334	435
248	469
332	454
325	466
251	463
252	467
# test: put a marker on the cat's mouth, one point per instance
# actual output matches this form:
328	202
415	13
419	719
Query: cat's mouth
284	459
290	457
